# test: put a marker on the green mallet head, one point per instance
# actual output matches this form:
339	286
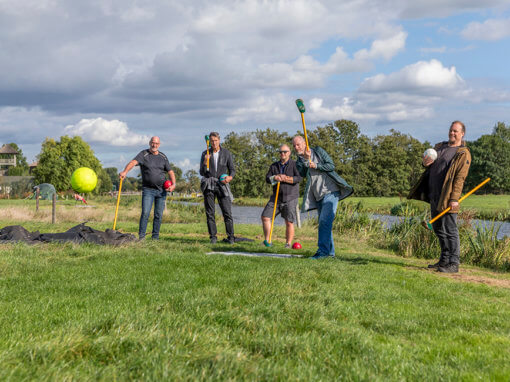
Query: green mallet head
267	243
300	105
207	138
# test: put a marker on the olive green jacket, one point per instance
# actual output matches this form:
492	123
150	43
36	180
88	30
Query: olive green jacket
453	182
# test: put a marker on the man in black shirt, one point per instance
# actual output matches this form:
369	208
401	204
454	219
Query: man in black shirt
285	172
153	166
212	166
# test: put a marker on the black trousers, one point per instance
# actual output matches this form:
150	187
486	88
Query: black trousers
226	210
448	234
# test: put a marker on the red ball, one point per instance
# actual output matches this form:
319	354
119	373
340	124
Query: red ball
167	184
296	245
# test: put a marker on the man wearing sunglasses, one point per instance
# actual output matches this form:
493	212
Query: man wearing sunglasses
285	172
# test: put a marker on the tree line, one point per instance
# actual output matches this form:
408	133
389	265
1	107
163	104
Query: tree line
384	165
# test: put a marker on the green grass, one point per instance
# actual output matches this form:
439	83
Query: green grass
167	311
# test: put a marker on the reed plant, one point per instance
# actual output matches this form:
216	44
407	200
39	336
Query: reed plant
485	249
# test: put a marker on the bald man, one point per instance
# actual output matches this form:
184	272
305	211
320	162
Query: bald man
324	189
154	166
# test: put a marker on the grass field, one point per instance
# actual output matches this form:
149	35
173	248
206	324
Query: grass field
167	310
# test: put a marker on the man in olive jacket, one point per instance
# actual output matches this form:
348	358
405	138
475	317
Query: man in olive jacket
324	189
441	185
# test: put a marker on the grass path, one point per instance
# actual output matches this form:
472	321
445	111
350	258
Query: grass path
165	310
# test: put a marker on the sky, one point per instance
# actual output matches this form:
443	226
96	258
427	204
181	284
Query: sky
116	72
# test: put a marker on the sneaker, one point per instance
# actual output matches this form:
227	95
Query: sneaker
287	245
321	256
214	240
450	268
436	265
231	240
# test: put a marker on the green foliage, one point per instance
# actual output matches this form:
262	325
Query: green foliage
192	181
491	158
486	249
113	173
253	153
396	163
58	160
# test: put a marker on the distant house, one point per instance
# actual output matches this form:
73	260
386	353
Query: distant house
31	167
7	158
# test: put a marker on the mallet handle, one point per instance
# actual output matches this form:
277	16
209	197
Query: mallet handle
460	200
207	143
118	201
304	130
274	210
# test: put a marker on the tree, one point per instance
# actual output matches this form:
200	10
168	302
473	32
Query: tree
113	174
192	181
58	160
491	158
396	163
253	153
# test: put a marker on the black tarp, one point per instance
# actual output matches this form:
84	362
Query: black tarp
78	234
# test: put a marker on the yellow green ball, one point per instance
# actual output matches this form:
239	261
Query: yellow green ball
83	179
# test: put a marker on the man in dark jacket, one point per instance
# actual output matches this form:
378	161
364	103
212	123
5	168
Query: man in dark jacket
324	189
285	172
441	185
213	185
153	166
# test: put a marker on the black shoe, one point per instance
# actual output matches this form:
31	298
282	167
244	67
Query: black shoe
214	240
437	265
450	268
232	240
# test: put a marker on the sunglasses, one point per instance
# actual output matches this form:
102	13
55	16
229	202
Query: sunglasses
283	151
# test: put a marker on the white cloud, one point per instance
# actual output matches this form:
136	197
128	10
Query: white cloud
439	49
423	76
113	132
274	108
489	30
186	164
383	48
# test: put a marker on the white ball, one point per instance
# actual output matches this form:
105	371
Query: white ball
431	153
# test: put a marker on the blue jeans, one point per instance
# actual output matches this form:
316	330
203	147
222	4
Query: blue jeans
326	209
150	196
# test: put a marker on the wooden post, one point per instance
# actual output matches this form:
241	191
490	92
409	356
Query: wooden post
36	199
54	209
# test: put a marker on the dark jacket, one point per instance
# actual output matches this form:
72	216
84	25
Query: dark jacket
327	166
453	181
225	164
288	191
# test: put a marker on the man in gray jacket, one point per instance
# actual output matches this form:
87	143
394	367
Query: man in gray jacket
212	166
324	189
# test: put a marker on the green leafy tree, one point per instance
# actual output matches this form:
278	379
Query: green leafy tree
58	160
491	158
253	153
396	163
192	181
113	174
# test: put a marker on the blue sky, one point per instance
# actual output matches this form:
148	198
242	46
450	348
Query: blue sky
119	71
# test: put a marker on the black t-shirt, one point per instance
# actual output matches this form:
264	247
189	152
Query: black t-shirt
153	168
439	168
